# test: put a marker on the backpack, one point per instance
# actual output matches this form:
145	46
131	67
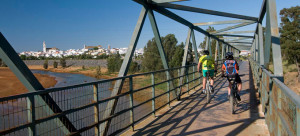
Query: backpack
230	68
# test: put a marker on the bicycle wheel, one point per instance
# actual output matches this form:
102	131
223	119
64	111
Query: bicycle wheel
207	92
232	104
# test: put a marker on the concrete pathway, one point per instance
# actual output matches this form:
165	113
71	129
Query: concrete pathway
192	116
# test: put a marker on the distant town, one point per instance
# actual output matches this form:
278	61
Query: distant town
91	50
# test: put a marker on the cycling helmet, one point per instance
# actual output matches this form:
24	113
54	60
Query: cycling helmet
229	55
205	52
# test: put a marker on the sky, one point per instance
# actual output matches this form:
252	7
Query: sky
69	24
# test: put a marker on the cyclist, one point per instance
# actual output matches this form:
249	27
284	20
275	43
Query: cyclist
231	68
206	63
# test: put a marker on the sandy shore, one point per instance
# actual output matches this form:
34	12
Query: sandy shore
11	85
77	70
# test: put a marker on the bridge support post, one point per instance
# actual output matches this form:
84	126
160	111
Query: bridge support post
223	51
195	46
96	109
272	38
260	45
186	48
111	106
160	47
208	45
256	48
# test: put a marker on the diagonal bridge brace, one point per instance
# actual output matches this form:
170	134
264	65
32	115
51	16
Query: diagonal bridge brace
18	67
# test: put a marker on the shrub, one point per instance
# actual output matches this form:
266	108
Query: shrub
83	67
45	64
114	63
98	71
55	64
63	62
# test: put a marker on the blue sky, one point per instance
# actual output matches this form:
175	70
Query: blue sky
69	24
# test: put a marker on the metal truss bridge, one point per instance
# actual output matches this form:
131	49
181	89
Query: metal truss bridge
169	101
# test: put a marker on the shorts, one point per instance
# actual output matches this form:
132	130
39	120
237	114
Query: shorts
237	78
211	73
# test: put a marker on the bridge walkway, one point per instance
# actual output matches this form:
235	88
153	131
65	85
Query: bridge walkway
193	116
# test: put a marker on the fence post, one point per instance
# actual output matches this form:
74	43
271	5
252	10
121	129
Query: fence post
187	78
96	109
168	87
178	90
131	103
153	94
31	115
194	77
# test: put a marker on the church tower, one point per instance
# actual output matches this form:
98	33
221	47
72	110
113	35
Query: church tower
44	47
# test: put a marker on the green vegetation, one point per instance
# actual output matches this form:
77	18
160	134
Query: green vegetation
98	71
151	60
63	62
290	36
114	63
55	64
45	65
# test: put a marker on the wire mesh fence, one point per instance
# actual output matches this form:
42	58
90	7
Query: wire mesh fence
85	109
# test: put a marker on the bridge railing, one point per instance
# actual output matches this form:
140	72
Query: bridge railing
84	104
281	104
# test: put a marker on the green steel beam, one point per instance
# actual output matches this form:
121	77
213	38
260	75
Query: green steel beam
175	17
272	36
256	48
232	27
222	22
195	46
235	38
223	51
22	72
238	32
160	48
260	47
262	12
240	42
230	35
111	106
206	11
166	1
185	54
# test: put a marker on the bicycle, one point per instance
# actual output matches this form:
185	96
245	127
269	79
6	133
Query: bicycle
232	98
208	87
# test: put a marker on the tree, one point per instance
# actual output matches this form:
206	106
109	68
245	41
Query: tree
45	64
98	71
290	35
23	57
178	56
55	64
63	62
151	59
114	63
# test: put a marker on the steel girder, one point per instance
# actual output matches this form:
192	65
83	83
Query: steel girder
177	18
206	11
222	22
110	108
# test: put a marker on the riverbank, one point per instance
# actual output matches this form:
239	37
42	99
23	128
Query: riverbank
88	71
11	85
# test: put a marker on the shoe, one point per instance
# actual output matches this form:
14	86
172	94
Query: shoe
238	97
204	91
212	89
